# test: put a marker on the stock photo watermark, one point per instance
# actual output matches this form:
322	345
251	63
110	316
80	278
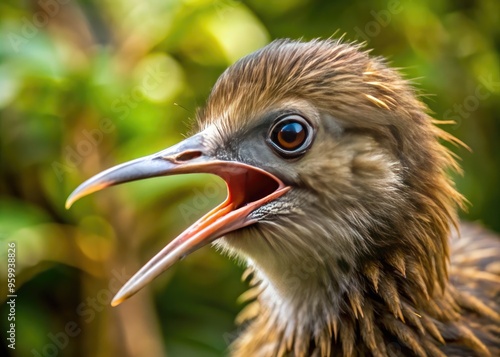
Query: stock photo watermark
224	7
31	26
472	102
203	198
11	295
381	19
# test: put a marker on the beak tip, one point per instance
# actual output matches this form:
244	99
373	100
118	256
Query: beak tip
84	189
119	298
69	203
72	198
115	302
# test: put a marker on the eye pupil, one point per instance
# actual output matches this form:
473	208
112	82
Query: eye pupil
291	135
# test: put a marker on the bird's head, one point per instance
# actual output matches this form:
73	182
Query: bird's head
334	171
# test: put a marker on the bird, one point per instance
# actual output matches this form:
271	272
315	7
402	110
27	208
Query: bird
340	202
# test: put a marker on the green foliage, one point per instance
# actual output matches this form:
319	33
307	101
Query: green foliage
85	85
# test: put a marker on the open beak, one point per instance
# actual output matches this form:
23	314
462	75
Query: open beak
248	188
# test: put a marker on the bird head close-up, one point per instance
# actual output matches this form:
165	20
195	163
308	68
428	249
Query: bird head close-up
340	203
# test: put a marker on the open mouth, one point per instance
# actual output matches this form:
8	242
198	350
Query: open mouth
248	185
249	188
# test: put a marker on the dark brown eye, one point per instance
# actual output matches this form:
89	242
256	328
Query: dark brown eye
291	135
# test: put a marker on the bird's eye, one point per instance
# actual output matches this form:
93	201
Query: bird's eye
291	135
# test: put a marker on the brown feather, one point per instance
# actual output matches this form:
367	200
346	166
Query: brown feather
355	259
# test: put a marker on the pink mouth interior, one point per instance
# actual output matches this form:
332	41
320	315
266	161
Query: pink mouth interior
250	186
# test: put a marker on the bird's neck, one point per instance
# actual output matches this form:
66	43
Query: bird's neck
389	304
364	314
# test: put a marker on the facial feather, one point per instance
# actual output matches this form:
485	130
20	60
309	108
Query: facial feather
356	254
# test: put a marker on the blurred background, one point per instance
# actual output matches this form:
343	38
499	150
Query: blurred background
85	85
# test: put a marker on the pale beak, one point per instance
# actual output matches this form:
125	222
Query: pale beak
248	189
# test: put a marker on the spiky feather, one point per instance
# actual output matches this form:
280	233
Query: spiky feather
355	262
